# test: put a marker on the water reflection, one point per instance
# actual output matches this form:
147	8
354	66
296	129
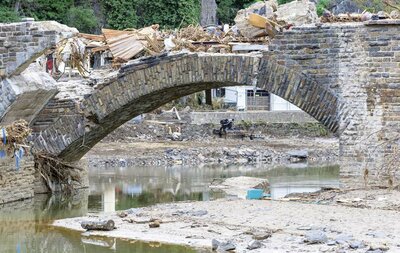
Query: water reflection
24	225
126	187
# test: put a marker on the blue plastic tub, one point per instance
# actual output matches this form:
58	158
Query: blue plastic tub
255	194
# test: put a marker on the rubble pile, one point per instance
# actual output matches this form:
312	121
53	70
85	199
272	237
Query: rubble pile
253	29
327	17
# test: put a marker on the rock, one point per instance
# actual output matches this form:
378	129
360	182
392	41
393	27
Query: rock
226	246
395	14
214	244
366	16
343	238
344	6
241	21
122	214
297	13
331	243
104	225
154	224
376	234
254	244
383	15
315	236
199	213
304	228
378	246
261	235
356	245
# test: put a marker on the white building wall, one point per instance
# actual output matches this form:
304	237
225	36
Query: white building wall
280	104
237	95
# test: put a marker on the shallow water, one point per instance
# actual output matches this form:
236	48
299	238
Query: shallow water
24	225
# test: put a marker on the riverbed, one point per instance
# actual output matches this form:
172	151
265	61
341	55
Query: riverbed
26	225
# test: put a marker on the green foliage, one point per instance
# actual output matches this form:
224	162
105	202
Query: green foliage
81	18
284	1
227	9
321	6
8	15
50	10
120	14
91	15
168	13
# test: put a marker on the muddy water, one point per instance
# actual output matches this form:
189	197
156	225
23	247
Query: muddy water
24	225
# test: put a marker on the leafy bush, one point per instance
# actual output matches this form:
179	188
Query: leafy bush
321	6
8	15
168	13
120	14
284	1
82	18
227	9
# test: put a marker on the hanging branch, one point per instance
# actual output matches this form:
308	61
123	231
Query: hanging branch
59	176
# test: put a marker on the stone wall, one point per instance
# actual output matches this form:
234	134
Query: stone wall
213	117
21	43
361	62
16	184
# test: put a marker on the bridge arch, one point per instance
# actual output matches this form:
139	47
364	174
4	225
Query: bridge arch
144	85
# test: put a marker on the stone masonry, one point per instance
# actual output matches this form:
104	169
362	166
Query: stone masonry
16	184
21	43
344	75
145	85
361	63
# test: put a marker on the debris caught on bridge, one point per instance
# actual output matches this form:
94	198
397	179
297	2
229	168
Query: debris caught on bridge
14	141
58	176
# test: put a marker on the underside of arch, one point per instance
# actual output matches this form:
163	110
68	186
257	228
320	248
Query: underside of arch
146	85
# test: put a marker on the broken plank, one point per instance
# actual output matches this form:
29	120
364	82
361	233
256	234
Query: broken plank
249	47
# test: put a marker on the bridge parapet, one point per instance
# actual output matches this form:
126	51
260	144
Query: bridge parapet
21	43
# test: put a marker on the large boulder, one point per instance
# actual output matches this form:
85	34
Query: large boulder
297	13
265	9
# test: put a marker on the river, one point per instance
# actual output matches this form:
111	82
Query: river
25	225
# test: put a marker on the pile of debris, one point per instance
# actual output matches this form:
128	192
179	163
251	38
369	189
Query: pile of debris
14	141
327	17
268	18
149	41
254	26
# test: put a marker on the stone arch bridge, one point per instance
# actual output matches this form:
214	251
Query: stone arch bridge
347	76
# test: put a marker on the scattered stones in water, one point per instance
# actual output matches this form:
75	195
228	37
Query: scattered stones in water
315	237
199	213
343	238
259	236
356	245
122	214
378	247
254	244
214	244
304	228
376	234
222	246
154	224
331	243
104	225
226	246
